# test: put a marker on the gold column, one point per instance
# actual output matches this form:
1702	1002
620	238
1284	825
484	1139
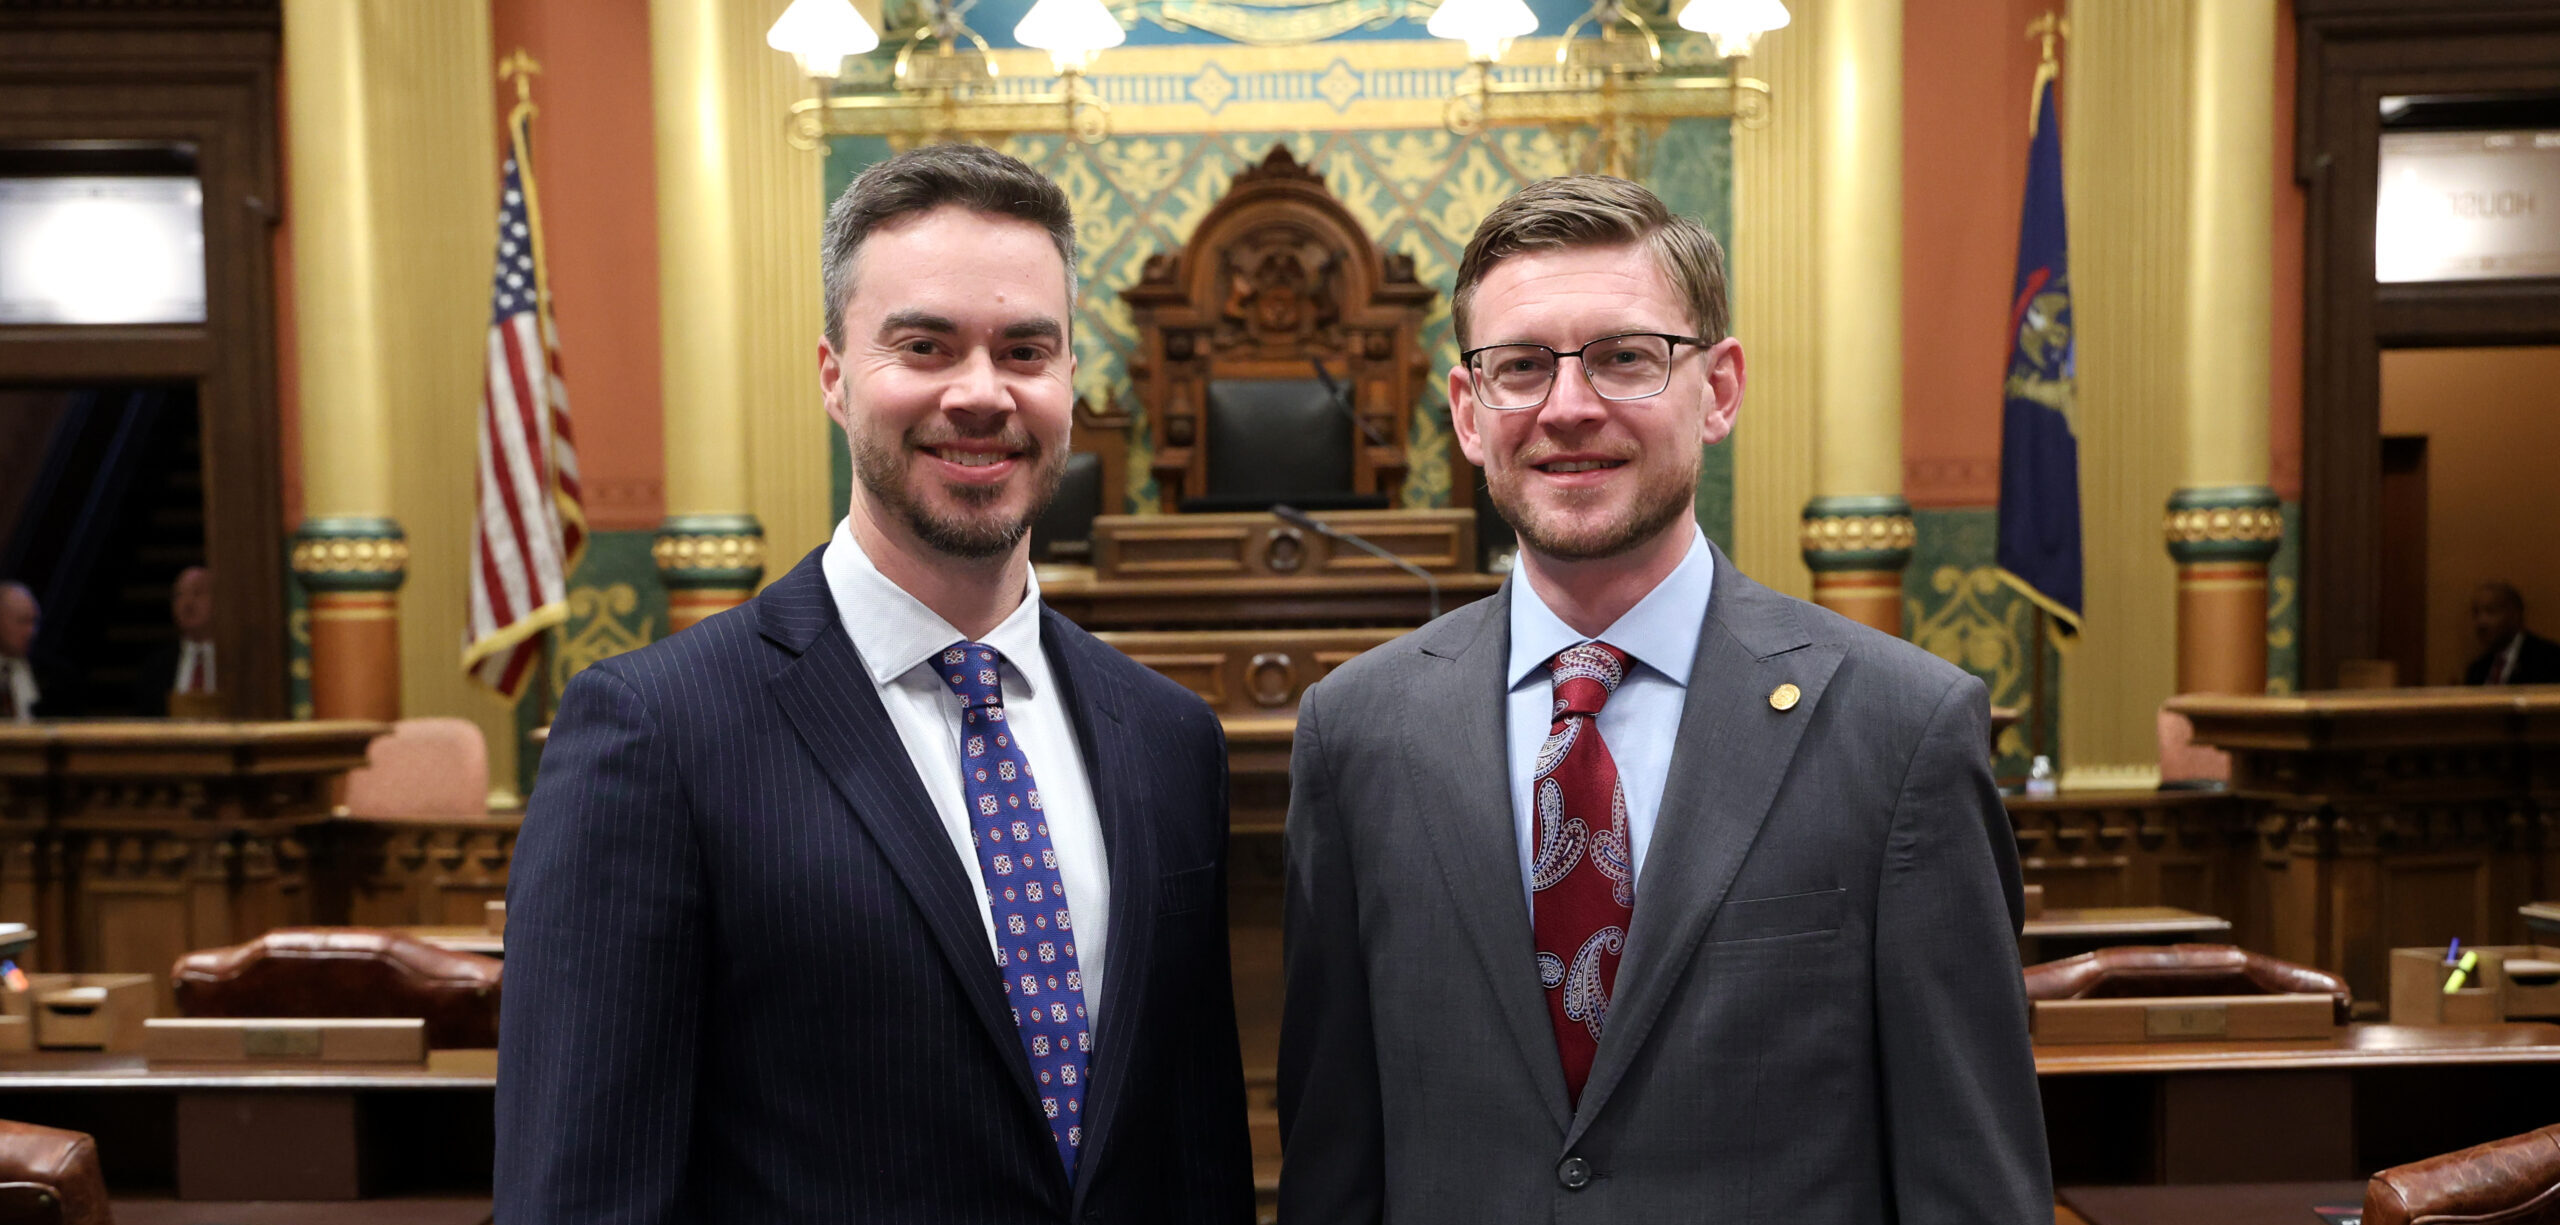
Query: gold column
349	552
1773	244
1857	531
780	208
710	549
2224	522
2124	156
395	166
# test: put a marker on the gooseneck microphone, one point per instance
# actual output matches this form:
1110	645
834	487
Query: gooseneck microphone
1297	518
1342	400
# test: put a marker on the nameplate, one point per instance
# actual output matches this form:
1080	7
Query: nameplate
280	1042
2186	1021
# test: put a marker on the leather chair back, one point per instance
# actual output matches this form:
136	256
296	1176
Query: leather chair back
2515	1181
331	972
2149	970
50	1177
1277	440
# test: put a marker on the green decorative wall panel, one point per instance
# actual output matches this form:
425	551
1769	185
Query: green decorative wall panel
1418	192
1956	607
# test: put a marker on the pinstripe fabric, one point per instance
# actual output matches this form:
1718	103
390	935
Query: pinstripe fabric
747	980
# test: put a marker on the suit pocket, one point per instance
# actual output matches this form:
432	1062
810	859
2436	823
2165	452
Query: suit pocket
1187	889
1767	918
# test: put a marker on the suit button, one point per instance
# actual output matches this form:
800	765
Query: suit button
1574	1174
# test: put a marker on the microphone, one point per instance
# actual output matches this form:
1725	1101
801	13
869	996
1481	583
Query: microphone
1333	391
1297	518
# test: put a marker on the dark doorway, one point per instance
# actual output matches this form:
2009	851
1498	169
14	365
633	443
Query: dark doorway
109	512
2404	556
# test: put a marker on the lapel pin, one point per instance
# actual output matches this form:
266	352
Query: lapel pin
1784	697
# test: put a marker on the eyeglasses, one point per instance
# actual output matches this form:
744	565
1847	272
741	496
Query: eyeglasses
1511	378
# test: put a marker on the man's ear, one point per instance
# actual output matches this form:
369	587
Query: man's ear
1462	415
831	381
1725	378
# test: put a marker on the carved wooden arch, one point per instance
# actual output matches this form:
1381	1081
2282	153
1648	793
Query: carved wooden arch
1277	273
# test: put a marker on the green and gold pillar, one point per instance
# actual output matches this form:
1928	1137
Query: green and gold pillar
349	554
2224	522
1857	532
710	549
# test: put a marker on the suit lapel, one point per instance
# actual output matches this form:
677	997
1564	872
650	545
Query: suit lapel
1733	750
1123	802
830	700
1462	756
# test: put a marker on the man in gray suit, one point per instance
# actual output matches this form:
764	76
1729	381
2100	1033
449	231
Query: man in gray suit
1640	892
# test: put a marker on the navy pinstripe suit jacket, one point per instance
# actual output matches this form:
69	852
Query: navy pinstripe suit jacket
747	979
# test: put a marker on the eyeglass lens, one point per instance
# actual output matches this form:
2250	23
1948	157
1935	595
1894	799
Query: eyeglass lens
1619	368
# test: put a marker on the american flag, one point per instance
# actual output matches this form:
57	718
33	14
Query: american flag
532	522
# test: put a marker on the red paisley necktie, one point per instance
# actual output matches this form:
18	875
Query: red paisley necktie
1582	879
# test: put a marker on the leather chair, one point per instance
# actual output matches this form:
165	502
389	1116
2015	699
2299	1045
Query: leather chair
2151	970
50	1177
433	767
2515	1181
329	972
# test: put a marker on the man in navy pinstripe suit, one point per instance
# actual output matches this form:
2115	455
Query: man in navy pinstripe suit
892	895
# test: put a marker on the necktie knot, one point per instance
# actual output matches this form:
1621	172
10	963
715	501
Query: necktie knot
970	669
1585	676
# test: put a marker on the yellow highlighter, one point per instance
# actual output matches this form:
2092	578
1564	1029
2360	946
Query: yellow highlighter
2461	973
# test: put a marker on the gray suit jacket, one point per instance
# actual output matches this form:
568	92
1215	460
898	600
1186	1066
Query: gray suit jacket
1819	1016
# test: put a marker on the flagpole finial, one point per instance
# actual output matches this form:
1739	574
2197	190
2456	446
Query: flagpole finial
2049	27
520	68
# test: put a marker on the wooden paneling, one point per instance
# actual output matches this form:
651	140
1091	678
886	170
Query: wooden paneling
2353	53
203	76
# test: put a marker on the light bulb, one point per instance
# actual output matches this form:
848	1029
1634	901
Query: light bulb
1484	25
820	34
1735	25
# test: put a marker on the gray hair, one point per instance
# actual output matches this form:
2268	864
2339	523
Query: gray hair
920	180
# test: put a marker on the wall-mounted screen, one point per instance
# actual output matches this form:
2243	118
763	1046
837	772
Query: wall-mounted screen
2468	205
101	249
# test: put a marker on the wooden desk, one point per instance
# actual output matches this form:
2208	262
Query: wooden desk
425	1130
2387	818
2295	1111
133	842
2067	931
2278	1203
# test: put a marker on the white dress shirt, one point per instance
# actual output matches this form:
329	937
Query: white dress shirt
20	677
1642	716
195	669
897	637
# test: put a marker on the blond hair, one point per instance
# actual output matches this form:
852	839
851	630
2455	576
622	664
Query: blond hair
1597	210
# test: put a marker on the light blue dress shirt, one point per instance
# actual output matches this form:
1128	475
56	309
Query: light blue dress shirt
1642	717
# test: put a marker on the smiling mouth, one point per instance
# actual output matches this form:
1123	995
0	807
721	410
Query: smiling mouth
1565	466
969	459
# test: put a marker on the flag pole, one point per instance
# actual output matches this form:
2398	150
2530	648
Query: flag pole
2036	709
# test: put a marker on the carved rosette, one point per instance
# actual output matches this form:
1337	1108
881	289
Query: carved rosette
1873	532
350	554
709	552
2233	523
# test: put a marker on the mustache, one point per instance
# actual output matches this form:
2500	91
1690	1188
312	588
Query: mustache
1539	453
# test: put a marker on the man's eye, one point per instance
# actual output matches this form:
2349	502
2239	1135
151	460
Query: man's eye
1028	354
920	348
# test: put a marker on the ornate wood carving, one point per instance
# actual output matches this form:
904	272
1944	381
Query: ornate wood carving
1279	273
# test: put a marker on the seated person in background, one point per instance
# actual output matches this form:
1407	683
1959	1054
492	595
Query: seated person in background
179	679
2510	654
31	687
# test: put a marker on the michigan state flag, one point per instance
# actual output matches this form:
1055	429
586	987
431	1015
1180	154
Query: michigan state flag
2039	454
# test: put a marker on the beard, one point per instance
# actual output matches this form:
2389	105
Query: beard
1558	533
979	529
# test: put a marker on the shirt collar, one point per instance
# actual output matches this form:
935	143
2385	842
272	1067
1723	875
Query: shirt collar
1660	632
895	633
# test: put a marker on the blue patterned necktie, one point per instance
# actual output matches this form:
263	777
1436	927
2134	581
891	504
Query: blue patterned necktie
1035	946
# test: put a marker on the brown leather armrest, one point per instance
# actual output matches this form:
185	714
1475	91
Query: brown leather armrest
2143	970
2515	1181
62	1163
